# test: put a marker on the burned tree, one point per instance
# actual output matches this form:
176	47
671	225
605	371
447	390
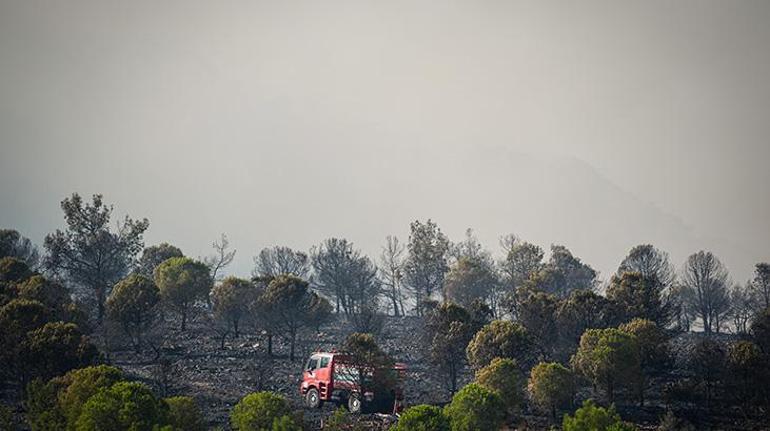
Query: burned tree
274	261
705	283
391	270
650	262
344	275
222	257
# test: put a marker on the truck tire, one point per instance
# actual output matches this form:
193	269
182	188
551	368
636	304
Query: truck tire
312	399
355	403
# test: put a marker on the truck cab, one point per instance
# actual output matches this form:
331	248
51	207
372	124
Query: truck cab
330	377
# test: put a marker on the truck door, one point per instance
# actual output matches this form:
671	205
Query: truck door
323	375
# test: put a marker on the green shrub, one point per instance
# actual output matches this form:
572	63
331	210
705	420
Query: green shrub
475	407
125	406
184	414
591	417
422	418
502	375
257	411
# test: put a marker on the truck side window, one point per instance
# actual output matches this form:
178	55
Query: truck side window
324	362
312	364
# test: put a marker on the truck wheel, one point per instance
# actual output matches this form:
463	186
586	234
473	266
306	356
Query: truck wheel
312	399
354	403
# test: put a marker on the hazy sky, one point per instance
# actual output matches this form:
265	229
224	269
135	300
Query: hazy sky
594	124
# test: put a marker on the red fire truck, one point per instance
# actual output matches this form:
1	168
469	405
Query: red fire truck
333	377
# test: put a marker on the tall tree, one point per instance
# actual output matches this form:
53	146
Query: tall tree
13	244
426	263
155	255
705	281
391	270
274	261
88	252
650	262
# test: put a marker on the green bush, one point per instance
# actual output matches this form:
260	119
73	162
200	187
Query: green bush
184	414
125	406
422	418
591	417
257	411
502	375
475	407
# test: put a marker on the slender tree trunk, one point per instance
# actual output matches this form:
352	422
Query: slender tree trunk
270	344
184	318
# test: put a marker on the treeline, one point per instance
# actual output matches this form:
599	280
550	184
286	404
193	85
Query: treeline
533	330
